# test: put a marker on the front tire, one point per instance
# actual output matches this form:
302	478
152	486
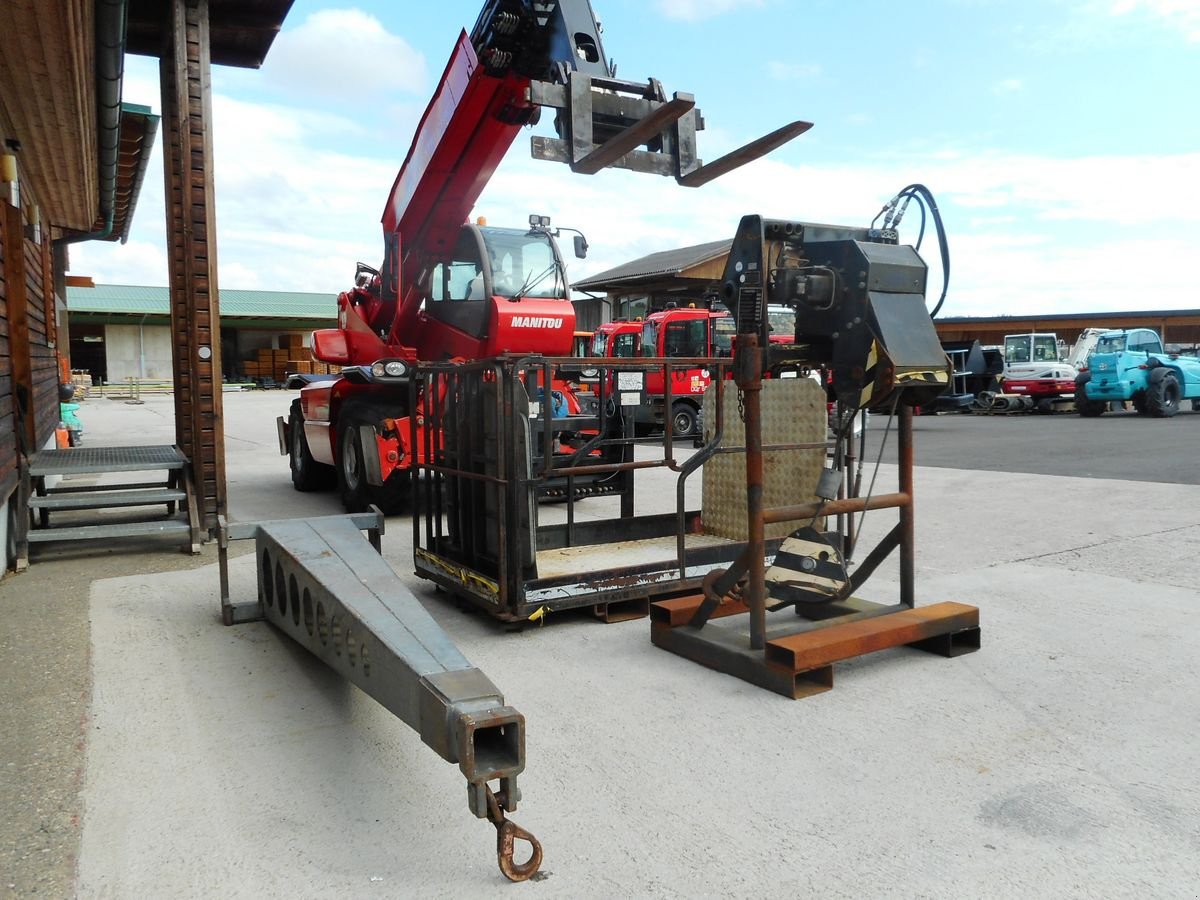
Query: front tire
307	473
684	420
352	482
1163	394
1085	407
357	494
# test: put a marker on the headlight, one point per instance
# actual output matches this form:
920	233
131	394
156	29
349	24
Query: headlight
389	368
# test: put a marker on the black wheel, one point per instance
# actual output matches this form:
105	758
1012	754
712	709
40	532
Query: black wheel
1162	395
352	482
1084	406
1139	403
307	473
1196	406
357	494
683	419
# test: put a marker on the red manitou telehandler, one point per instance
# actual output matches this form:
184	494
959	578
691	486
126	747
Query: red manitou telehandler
453	291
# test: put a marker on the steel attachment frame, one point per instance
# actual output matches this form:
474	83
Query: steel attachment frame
328	589
796	658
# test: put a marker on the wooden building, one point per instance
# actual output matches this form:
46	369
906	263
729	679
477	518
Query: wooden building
633	289
72	159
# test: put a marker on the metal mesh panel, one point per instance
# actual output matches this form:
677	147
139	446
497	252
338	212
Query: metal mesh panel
793	412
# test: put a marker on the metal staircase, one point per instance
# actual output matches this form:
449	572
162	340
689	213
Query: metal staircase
164	505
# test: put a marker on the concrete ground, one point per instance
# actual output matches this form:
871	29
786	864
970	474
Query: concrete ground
151	752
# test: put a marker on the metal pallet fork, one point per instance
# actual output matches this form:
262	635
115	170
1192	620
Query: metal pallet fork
328	589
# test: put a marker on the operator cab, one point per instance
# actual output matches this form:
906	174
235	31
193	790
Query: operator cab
1136	340
488	262
502	290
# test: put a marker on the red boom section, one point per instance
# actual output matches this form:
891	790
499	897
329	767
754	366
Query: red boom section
469	125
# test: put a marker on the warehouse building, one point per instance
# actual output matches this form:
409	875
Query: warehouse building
122	332
693	275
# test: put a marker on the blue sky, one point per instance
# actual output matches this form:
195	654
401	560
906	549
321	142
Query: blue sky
1060	138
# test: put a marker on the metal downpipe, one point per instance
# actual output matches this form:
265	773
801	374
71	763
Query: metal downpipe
111	20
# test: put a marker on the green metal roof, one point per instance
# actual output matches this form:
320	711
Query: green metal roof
134	300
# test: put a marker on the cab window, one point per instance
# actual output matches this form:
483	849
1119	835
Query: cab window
461	277
723	332
1145	342
1045	348
625	345
687	338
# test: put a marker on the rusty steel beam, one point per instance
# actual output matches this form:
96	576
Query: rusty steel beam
814	649
802	511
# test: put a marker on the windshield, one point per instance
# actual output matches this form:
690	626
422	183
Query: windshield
600	343
1111	344
524	264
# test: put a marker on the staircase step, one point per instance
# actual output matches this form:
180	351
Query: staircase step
107	499
113	530
84	460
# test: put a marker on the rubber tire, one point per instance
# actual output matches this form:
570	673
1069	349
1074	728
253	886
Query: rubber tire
1196	406
357	496
1085	407
1163	394
307	473
684	419
1139	403
352	483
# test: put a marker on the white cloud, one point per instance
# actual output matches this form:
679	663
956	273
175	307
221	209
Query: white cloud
140	262
1183	15
994	276
1007	86
344	53
294	217
695	10
1022	229
1028	233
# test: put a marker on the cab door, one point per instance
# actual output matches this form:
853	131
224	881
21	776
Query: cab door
460	289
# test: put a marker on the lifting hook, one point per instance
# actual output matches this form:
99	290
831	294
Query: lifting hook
507	834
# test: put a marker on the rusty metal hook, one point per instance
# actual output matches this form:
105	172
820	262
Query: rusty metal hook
507	834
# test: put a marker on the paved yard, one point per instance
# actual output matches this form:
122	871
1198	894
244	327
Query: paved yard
154	752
